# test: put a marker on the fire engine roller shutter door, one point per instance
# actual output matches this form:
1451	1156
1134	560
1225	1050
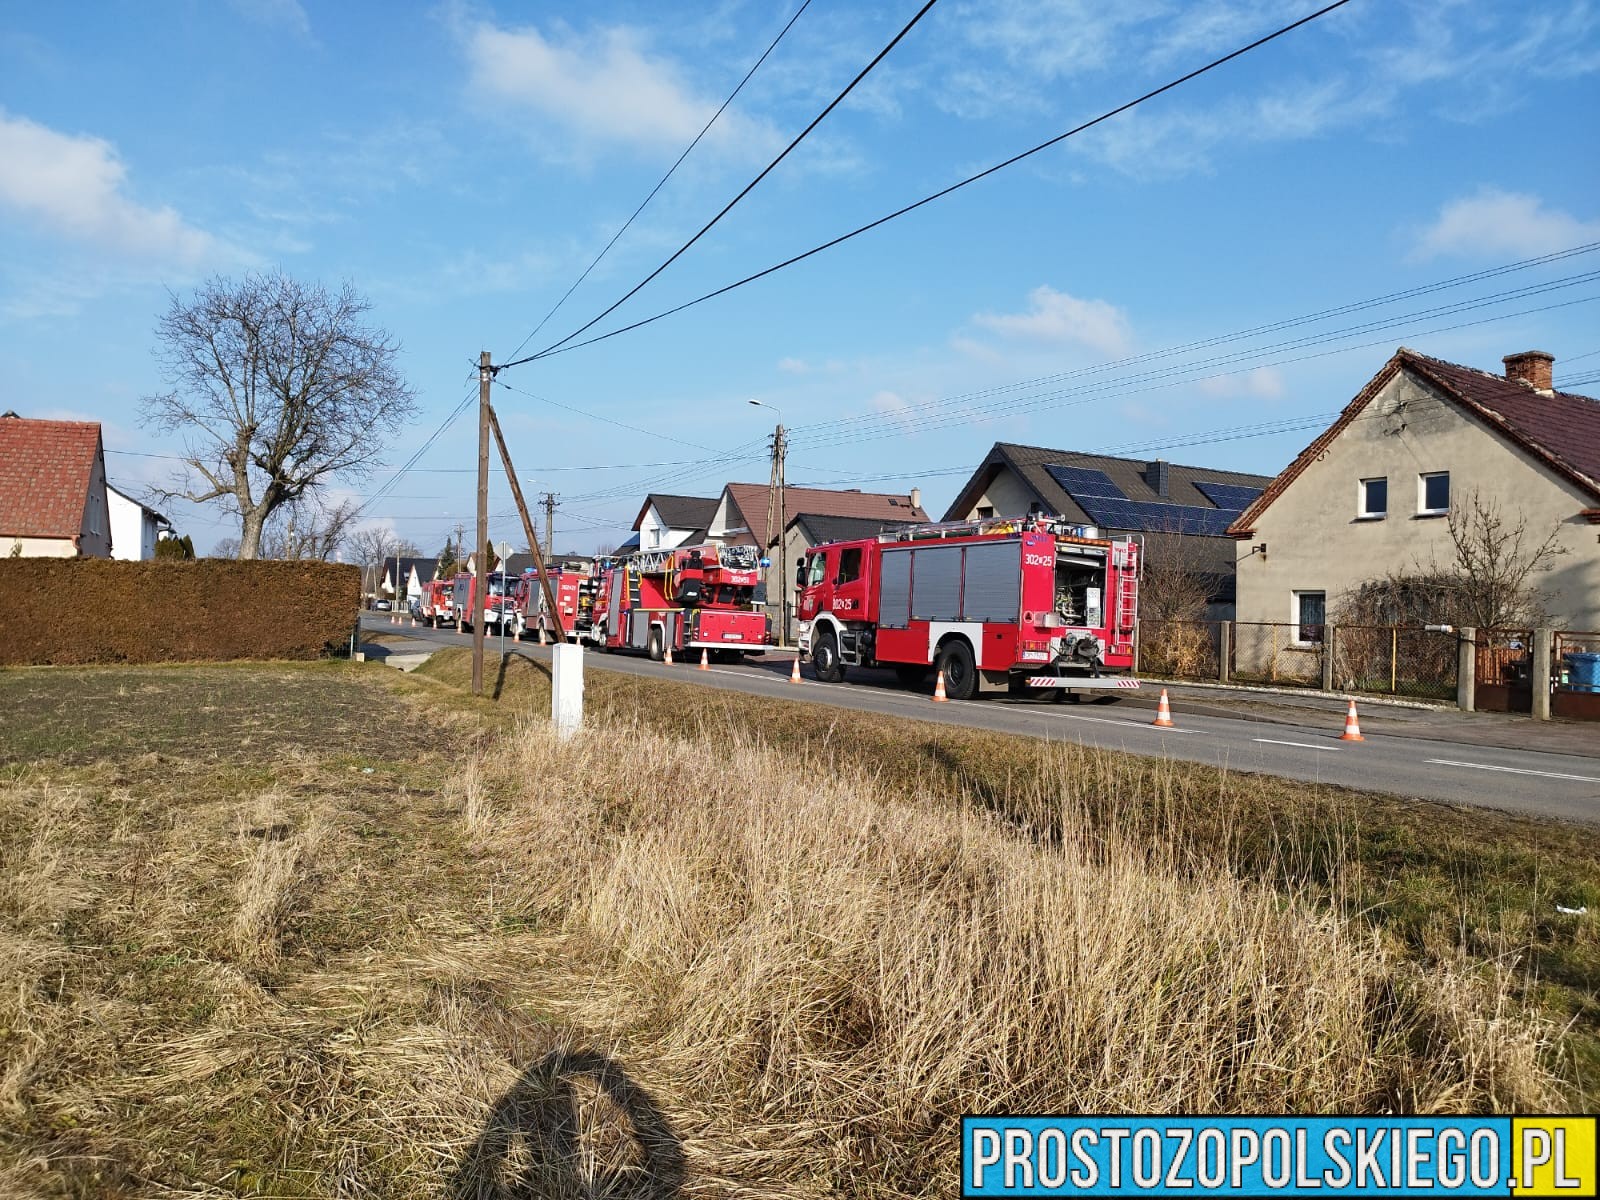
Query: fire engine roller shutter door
994	582
936	583
894	590
614	612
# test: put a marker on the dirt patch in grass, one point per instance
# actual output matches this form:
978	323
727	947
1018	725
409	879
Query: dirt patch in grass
238	713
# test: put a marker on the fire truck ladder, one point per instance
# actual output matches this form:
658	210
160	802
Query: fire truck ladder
1127	601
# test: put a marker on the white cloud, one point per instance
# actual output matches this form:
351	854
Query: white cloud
1263	383
1056	318
602	86
1497	224
74	185
793	366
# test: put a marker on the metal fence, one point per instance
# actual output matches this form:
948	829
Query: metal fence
1503	670
1180	649
1395	661
1278	654
1575	671
1389	660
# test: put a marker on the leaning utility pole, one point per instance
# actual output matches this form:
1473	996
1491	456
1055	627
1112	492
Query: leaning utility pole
549	502
527	526
485	376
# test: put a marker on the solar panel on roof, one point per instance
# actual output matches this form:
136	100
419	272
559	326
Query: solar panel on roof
1085	481
1152	517
1229	495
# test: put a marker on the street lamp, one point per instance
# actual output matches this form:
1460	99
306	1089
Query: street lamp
775	498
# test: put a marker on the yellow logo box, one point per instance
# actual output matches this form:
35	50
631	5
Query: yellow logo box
1554	1156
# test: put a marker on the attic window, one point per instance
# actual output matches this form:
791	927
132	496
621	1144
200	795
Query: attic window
985	511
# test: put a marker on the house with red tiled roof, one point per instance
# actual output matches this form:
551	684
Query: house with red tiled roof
748	514
1372	496
53	500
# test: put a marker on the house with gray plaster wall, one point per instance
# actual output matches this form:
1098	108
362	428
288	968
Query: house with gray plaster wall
1372	496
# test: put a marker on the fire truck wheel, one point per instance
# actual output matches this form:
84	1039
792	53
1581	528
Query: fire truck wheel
656	649
960	672
825	658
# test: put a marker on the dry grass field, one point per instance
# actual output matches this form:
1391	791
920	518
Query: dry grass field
328	931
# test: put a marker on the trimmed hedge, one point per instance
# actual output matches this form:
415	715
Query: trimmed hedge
97	610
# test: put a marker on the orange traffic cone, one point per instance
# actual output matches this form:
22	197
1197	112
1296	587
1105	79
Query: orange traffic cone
1352	728
1163	711
794	674
938	690
668	658
705	659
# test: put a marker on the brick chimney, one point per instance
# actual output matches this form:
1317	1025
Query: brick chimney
1158	476
1532	367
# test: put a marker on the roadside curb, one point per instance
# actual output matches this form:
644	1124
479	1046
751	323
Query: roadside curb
1363	698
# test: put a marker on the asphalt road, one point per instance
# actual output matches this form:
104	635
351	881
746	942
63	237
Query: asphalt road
1293	743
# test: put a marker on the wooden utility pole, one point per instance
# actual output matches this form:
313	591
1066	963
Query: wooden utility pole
776	508
485	376
550	499
527	526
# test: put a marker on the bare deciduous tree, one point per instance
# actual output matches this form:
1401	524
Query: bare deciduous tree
305	529
1496	556
370	545
278	388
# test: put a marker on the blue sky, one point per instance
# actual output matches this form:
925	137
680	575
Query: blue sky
462	163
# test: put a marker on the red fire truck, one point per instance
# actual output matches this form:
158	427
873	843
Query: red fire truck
531	610
438	603
498	606
690	598
1020	604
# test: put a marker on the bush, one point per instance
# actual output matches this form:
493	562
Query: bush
95	610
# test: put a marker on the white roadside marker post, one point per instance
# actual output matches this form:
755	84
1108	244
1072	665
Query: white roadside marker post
566	688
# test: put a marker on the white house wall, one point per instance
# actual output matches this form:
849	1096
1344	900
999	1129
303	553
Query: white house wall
1316	542
1006	494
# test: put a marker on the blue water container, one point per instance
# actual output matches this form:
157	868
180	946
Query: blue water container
1583	671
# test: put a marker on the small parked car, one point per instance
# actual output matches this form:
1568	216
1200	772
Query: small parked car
382	606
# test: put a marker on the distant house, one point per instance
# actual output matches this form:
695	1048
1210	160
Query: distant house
1372	495
1172	509
403	578
53	501
135	527
667	522
741	518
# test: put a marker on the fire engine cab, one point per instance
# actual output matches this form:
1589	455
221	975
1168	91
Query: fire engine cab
691	597
1021	604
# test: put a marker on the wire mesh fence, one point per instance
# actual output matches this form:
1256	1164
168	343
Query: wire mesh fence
1279	654
1397	661
1388	660
1180	649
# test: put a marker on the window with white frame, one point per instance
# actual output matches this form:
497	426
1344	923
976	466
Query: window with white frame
1374	498
1433	493
1310	611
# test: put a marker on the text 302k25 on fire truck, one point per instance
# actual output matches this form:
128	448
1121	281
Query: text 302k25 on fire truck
1022	604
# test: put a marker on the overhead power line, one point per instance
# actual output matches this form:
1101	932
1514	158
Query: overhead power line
1213	341
743	192
561	347
606	249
